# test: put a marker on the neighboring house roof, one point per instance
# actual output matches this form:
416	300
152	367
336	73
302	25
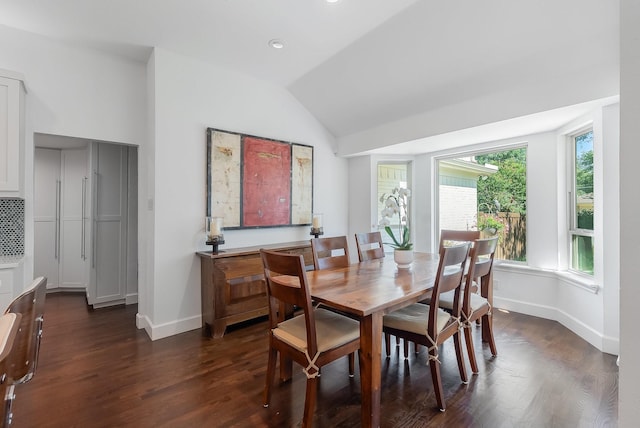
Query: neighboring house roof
466	168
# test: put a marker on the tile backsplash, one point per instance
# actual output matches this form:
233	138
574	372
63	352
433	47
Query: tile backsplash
11	227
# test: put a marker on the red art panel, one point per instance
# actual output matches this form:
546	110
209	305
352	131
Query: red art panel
266	184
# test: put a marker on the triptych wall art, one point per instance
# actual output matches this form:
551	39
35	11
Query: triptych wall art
255	182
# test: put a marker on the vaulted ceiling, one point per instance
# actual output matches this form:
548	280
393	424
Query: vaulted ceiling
363	65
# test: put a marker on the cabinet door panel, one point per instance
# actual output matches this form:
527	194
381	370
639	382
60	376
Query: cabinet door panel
73	260
45	261
72	265
46	177
9	134
109	266
46	204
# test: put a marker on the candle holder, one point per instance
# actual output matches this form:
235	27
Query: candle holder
213	229
316	225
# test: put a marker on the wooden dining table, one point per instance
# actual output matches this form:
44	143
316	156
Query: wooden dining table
368	290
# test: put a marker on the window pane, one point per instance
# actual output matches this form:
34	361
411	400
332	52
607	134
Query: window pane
584	181
391	176
487	192
582	254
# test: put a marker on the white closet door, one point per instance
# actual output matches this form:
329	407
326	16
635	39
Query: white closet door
46	214
73	254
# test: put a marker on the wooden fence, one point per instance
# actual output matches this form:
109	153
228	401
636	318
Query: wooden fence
513	237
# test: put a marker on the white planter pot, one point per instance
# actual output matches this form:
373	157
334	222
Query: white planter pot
403	258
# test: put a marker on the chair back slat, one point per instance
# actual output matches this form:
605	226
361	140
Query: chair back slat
449	277
330	252
480	267
369	246
451	237
481	256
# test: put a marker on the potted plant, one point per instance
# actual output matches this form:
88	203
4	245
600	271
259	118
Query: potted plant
397	203
489	225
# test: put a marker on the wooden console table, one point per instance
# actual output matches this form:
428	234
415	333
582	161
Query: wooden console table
232	284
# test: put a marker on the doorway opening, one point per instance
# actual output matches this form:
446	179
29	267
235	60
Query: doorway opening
85	218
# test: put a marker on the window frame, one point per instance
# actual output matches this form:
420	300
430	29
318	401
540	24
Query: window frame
572	224
474	151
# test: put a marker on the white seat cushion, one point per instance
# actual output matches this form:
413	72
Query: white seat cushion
446	301
6	323
414	318
332	330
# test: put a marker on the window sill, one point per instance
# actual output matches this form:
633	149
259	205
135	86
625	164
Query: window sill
566	277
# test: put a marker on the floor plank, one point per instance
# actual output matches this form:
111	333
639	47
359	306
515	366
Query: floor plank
97	370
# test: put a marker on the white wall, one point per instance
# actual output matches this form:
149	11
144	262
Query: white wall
363	210
189	97
629	394
72	92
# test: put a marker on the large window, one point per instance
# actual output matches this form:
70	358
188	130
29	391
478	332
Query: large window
487	191
581	197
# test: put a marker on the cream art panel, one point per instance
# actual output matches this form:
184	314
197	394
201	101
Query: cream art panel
302	184
224	152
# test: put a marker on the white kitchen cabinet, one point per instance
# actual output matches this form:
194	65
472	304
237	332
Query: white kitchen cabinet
11	274
61	217
12	92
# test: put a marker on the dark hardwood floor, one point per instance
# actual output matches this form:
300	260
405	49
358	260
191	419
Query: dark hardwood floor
97	370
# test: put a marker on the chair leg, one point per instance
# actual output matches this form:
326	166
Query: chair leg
434	365
387	344
8	406
487	333
406	349
310	402
416	346
470	350
457	341
352	362
271	371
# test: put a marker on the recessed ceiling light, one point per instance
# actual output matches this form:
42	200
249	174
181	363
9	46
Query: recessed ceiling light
276	43
332	1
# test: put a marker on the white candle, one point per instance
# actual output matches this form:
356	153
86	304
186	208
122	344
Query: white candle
214	228
317	223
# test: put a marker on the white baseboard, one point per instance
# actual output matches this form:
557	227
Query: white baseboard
161	331
131	299
607	344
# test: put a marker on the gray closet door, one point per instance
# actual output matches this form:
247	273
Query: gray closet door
108	265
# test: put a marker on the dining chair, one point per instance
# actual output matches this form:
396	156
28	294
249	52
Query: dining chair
24	358
449	237
477	306
430	325
480	306
369	246
9	325
30	304
312	338
330	252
